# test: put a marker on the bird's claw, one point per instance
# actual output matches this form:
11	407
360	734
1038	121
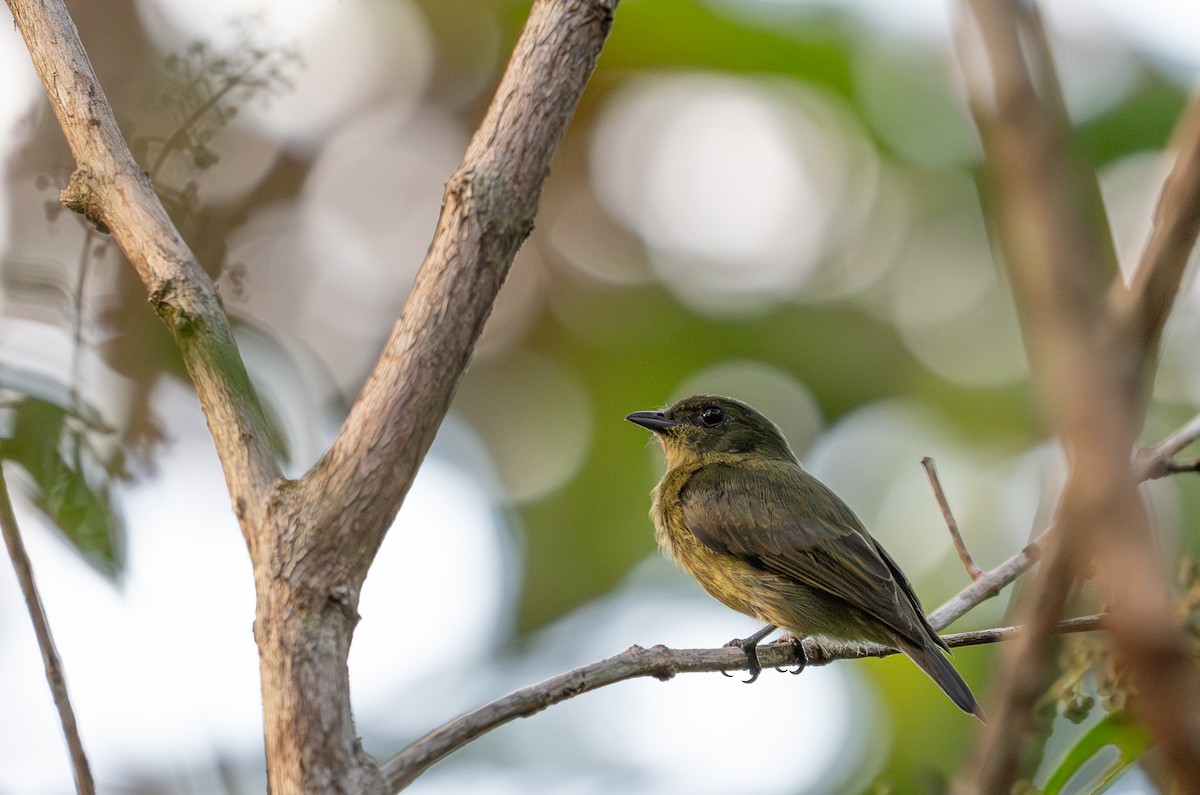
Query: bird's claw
750	648
798	653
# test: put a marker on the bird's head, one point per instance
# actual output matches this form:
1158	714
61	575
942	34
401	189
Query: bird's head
704	427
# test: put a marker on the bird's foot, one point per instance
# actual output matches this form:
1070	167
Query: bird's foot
749	646
797	652
751	650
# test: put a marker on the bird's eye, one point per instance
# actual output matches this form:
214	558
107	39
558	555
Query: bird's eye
712	416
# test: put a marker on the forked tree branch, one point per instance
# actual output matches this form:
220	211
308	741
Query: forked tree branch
312	541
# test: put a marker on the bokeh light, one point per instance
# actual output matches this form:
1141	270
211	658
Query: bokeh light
739	188
450	551
1167	28
535	417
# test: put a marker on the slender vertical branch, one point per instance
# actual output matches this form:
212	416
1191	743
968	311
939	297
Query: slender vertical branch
1147	303
955	535
1050	250
1089	372
45	641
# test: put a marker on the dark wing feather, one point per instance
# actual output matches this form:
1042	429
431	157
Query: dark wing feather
777	517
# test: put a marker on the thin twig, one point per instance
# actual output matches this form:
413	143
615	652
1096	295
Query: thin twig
989	583
659	662
993	581
981	636
936	484
41	628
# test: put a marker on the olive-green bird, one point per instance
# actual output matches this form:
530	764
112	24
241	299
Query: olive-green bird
737	511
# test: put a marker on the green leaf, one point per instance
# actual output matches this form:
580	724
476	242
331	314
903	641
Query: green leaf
1117	730
66	478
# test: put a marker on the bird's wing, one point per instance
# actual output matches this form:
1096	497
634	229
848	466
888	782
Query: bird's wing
780	519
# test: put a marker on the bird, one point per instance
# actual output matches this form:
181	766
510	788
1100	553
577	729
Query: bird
737	511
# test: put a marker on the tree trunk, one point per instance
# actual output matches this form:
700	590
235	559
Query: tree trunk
303	634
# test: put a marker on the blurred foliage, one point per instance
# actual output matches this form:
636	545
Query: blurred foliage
1108	740
53	439
1115	730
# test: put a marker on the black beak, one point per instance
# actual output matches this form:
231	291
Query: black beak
654	420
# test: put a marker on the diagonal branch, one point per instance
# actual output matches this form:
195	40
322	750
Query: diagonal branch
1146	304
84	785
1156	462
1151	463
116	195
488	211
989	583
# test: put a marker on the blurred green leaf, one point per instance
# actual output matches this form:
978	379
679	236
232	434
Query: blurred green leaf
814	45
1144	121
49	437
1116	730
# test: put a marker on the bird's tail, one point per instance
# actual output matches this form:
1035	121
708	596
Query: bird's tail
930	659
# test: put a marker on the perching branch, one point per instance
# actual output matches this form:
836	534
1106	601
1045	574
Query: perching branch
660	663
664	663
41	629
